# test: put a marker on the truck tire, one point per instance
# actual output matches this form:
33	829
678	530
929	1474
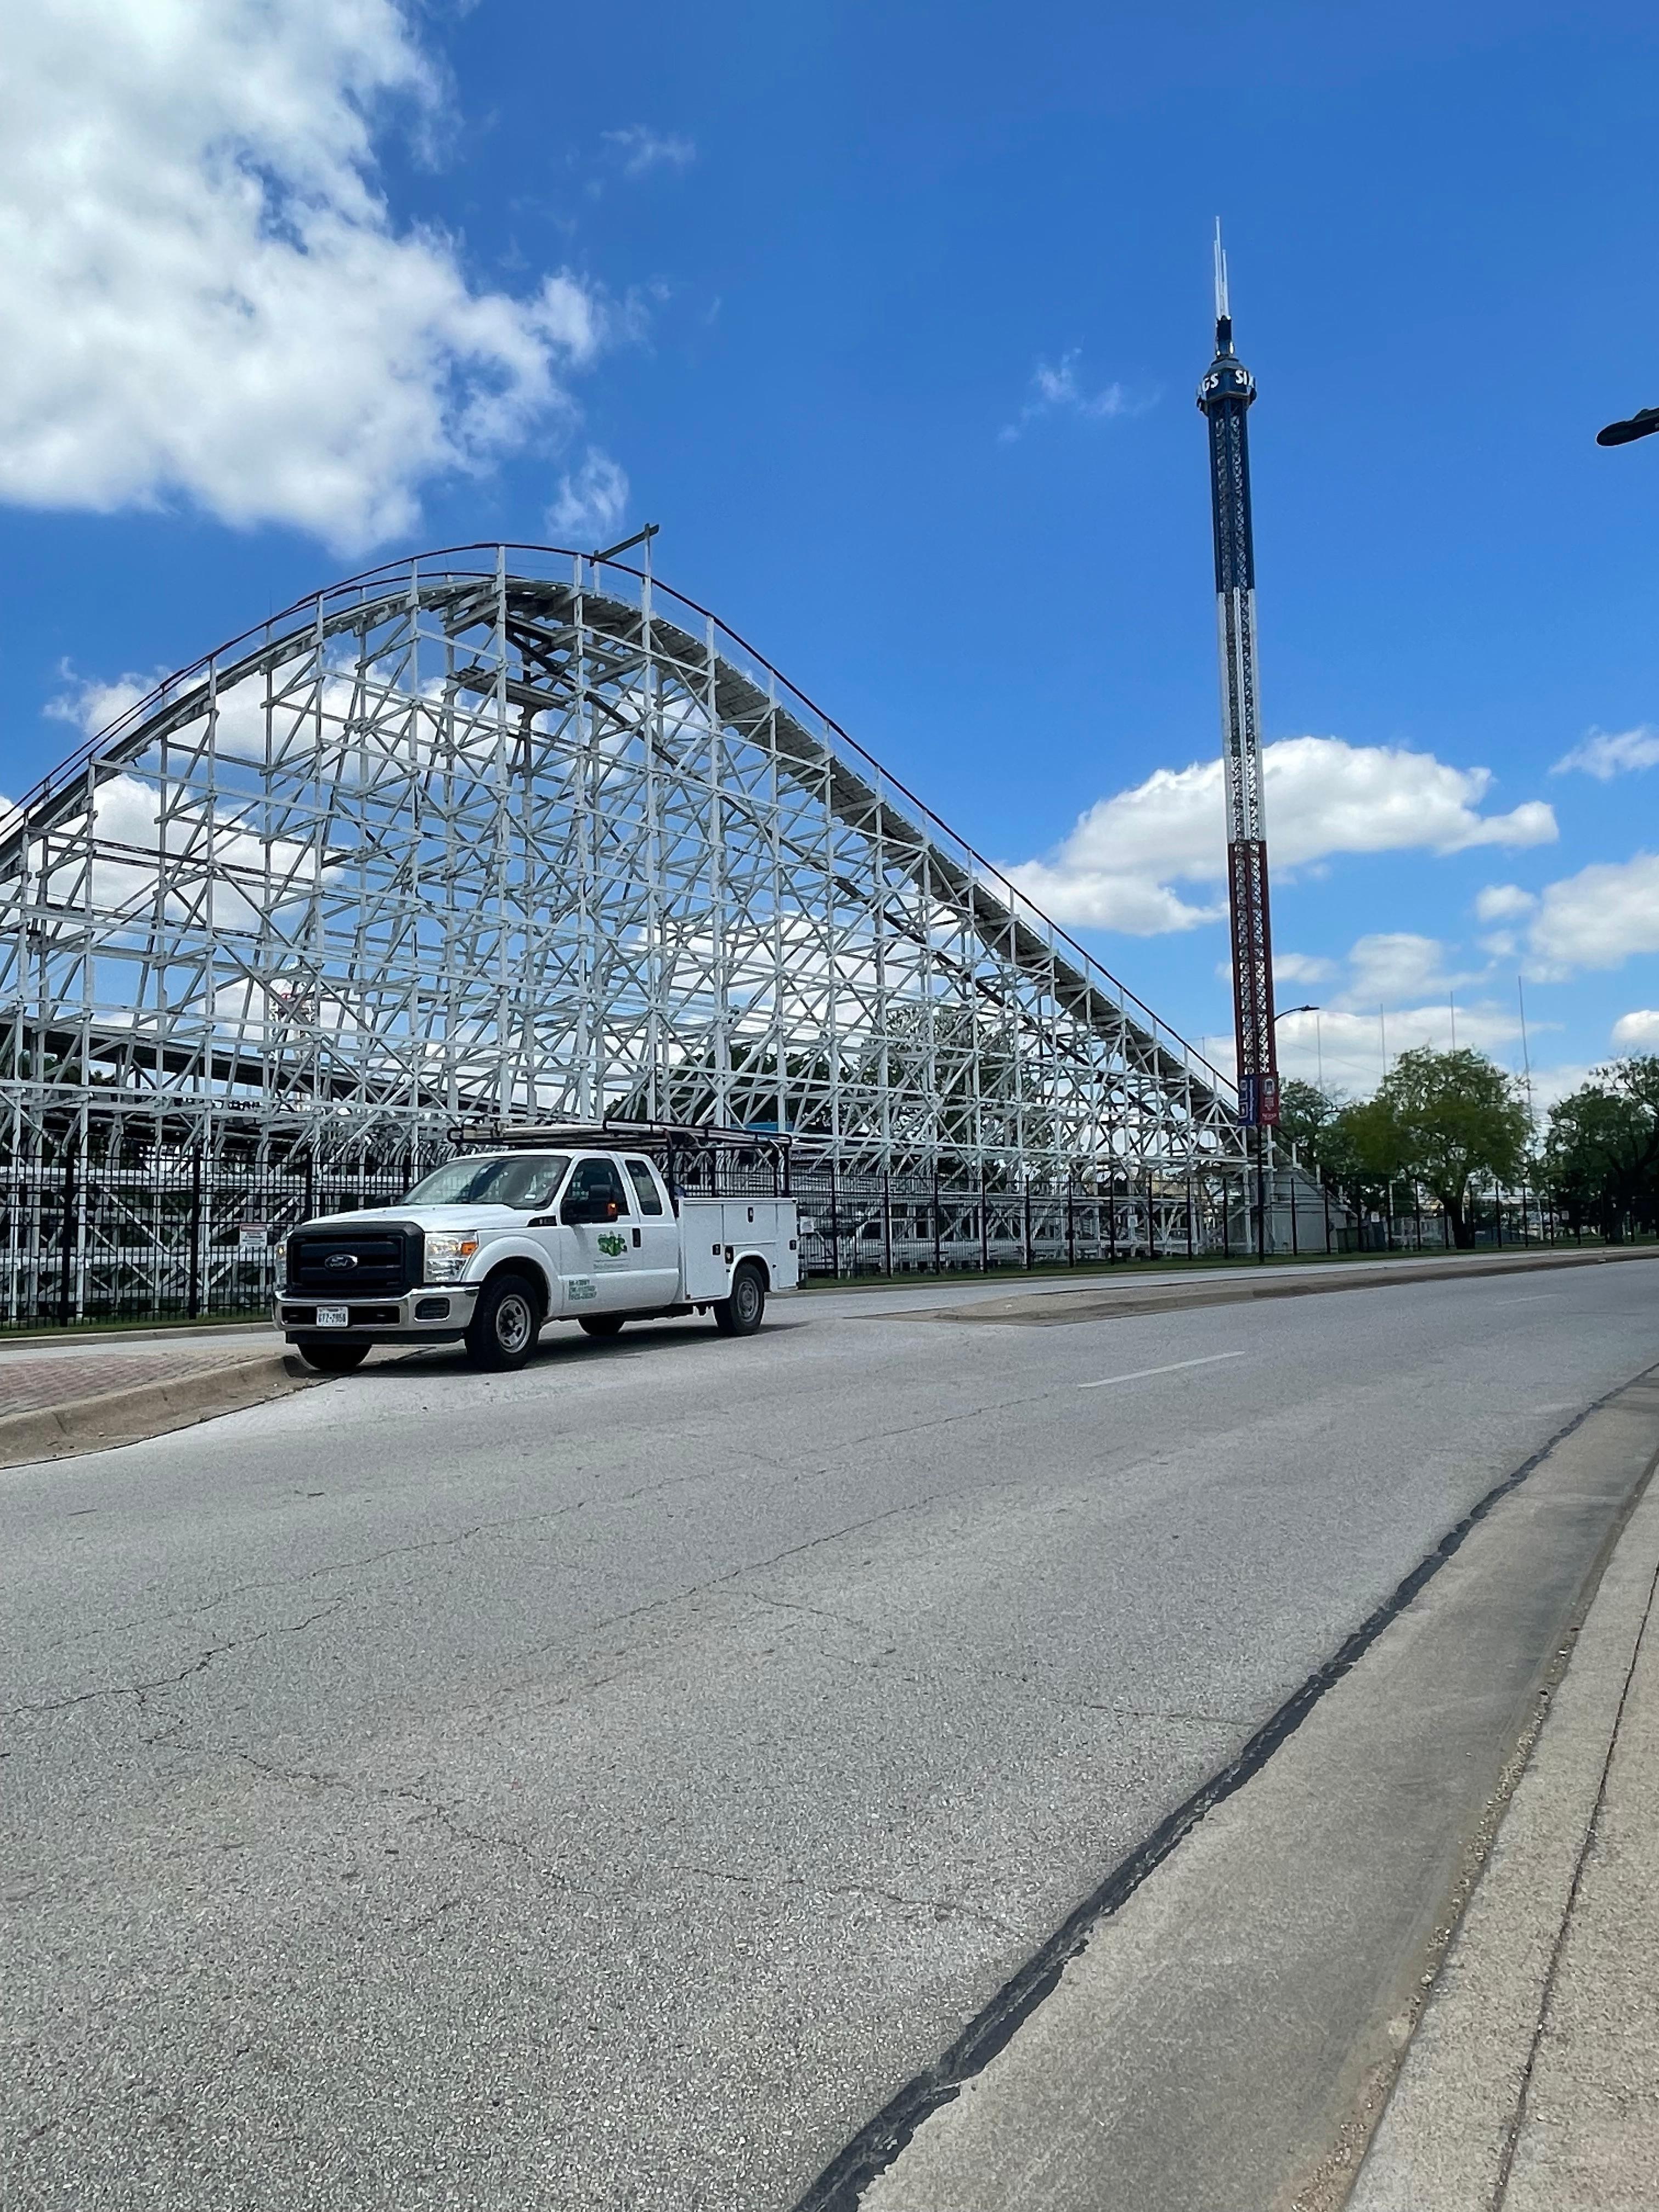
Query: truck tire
602	1324
502	1332
740	1315
329	1358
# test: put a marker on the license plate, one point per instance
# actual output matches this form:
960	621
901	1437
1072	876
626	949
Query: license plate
333	1317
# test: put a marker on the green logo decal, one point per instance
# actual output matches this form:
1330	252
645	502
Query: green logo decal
612	1245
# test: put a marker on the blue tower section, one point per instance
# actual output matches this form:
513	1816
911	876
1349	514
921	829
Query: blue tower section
1225	398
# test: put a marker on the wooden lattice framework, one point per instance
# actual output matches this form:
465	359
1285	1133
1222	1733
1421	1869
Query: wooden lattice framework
499	830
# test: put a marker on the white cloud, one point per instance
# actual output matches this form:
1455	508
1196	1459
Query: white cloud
1289	968
640	149
1299	968
1386	1007
1346	1047
1056	389
592	500
204	295
1600	917
1121	865
1605	756
1503	902
1549	1083
1637	1032
1392	966
92	704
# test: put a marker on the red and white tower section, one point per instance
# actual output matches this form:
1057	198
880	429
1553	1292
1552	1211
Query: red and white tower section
1225	398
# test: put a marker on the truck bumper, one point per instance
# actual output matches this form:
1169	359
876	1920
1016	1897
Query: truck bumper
434	1316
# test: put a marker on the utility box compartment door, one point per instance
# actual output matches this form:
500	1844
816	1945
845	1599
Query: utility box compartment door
702	1245
766	1227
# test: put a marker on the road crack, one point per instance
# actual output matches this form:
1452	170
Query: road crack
142	1692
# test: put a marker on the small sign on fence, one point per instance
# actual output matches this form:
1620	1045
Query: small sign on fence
253	1238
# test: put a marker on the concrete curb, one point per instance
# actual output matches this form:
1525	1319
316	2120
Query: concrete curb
1089	1275
1036	1308
147	1409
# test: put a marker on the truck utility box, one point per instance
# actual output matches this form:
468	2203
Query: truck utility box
579	1223
714	1229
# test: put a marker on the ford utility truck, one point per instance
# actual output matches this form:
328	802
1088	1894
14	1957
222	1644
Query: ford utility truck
489	1247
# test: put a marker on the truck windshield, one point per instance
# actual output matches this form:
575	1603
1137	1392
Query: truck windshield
524	1180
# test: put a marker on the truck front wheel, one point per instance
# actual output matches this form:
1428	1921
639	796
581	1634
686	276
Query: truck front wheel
504	1325
329	1357
740	1315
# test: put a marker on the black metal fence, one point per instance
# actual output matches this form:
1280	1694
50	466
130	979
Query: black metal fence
180	1235
919	1224
1495	1220
86	1237
173	1235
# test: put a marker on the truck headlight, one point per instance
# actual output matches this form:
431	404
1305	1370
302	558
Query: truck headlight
446	1255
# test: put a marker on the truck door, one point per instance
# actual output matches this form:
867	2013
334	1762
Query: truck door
656	1235
596	1255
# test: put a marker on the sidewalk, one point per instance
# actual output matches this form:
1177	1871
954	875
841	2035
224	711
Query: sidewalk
84	1395
1531	2083
40	1374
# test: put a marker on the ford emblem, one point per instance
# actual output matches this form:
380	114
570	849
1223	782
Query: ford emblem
341	1260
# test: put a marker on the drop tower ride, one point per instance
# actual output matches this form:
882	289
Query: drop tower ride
1225	398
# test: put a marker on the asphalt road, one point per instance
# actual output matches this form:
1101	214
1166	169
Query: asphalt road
605	1786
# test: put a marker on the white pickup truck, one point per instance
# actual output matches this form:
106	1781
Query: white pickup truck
493	1244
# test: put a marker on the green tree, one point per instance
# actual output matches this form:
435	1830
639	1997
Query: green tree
1601	1156
1448	1119
1360	1151
1354	1146
1305	1113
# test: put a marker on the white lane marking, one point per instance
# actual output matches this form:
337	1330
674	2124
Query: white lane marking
1174	1368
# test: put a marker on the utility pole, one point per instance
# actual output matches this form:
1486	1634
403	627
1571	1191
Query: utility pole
1225	398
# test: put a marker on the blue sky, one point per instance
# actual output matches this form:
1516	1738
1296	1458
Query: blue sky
891	317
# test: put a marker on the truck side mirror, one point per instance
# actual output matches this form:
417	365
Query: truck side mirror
579	1210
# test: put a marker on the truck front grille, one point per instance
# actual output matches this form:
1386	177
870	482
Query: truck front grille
353	1264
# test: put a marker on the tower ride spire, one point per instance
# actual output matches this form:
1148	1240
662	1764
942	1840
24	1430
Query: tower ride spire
1225	398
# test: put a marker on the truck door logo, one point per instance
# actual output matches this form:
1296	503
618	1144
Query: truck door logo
612	1245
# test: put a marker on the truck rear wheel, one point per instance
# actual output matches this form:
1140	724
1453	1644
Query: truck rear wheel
602	1324
505	1322
740	1315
